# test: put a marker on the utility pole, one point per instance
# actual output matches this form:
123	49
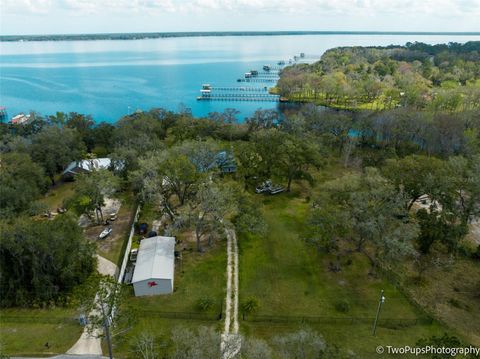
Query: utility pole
106	324
380	302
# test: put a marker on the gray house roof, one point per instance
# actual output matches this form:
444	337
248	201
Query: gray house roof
155	259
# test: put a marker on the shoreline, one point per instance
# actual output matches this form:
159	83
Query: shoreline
164	35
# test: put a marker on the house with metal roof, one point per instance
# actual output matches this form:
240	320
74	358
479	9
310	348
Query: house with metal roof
226	162
84	166
155	266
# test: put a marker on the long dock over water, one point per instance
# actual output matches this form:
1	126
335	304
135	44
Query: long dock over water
241	89
255	79
238	97
268	76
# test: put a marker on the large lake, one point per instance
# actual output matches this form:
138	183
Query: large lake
109	79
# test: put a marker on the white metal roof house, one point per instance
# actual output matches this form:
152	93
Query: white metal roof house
155	266
21	119
83	166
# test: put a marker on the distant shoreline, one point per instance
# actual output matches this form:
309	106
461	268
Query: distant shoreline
161	35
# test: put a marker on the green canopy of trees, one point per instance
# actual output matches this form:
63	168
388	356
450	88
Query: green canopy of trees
418	75
42	261
21	182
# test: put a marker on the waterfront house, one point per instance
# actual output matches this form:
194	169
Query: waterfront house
20	119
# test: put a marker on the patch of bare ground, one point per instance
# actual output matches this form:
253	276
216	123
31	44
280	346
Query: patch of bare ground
111	246
474	233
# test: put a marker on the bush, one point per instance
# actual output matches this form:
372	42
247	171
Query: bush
455	303
342	306
458	304
37	208
204	304
249	306
476	254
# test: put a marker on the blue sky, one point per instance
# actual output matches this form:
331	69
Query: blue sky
94	16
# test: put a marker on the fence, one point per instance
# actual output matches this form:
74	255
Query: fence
392	323
41	319
384	322
204	316
128	247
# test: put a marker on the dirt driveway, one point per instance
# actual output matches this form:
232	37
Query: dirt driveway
111	246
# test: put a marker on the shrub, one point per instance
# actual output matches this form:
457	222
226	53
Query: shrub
249	306
342	306
204	304
476	254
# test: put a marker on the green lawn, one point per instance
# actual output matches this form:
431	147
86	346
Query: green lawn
24	332
289	278
200	275
56	195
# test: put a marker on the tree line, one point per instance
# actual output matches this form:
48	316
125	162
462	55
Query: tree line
435	77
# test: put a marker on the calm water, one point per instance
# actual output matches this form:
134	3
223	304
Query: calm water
107	79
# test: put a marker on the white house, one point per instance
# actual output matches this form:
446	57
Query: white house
20	119
83	166
155	266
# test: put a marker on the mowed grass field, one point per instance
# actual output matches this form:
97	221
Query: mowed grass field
288	277
25	332
197	276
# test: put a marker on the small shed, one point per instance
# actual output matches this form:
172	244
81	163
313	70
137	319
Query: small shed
155	266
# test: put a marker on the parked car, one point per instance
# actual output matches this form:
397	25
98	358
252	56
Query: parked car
105	233
113	217
142	228
152	234
133	254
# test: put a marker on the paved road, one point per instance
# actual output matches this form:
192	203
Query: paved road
90	343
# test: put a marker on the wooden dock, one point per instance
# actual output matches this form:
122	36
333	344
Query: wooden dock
240	97
256	79
241	89
269	74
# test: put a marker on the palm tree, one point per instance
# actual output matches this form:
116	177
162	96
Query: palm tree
249	306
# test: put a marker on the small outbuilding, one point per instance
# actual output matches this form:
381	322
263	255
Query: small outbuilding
155	266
